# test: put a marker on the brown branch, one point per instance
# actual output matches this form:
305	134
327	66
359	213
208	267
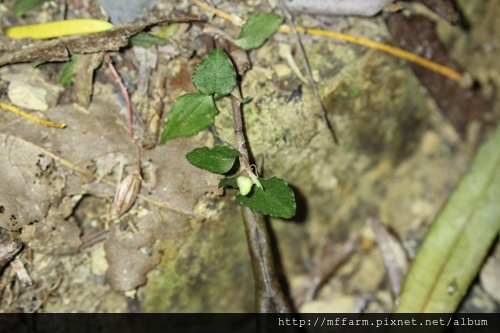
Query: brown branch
269	295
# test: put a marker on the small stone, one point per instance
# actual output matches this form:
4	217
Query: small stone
25	95
99	264
430	143
282	70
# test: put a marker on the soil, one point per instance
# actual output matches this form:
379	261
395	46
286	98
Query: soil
182	246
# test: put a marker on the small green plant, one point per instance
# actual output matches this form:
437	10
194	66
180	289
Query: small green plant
215	76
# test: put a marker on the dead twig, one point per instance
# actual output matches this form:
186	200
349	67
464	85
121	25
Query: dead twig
28	116
314	86
395	260
325	269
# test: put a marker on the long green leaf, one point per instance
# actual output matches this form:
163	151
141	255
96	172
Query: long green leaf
66	76
458	239
146	40
257	29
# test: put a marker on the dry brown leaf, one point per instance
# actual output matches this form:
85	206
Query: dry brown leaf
28	186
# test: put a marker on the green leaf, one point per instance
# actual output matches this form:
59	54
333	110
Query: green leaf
459	238
66	76
35	64
219	159
215	74
22	6
146	40
168	30
190	114
257	29
276	199
229	181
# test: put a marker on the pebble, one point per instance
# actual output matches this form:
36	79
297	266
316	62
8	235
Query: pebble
282	70
430	143
25	95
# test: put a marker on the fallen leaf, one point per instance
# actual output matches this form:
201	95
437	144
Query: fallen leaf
459	238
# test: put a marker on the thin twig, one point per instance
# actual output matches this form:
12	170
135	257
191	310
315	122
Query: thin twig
37	120
325	269
232	18
124	92
314	86
394	51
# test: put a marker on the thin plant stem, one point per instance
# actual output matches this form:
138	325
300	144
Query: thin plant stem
269	295
124	92
314	86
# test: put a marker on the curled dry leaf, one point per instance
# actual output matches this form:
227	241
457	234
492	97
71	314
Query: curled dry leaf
393	253
8	250
21	272
27	186
127	192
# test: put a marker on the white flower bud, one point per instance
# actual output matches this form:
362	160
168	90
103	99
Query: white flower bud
244	184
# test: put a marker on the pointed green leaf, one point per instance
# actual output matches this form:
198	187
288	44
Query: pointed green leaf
459	238
276	199
190	114
35	64
22	6
229	181
215	74
66	76
146	40
219	159
257	29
